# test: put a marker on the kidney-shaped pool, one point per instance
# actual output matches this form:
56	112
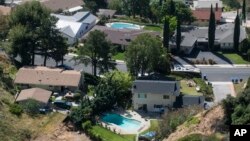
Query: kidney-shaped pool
123	122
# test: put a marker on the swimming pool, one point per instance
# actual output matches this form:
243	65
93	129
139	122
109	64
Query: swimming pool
123	122
121	25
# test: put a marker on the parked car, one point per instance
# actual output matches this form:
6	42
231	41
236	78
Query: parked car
63	104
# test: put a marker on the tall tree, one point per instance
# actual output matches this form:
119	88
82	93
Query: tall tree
144	55
166	32
236	32
31	15
172	8
211	30
178	36
97	51
244	10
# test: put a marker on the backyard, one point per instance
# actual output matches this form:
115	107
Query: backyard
187	88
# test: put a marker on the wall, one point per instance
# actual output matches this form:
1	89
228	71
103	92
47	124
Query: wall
151	100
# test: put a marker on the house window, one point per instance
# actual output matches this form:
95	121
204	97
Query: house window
165	96
141	95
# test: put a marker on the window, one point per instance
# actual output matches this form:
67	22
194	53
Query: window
141	95
165	96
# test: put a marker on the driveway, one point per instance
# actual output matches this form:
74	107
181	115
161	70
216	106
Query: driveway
222	89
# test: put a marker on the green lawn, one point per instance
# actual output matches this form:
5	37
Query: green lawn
107	135
153	27
119	56
235	58
185	89
154	124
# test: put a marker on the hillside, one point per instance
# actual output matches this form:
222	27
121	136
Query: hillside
206	123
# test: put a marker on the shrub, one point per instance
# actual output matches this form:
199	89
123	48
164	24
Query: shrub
77	96
211	62
86	125
31	107
16	109
6	101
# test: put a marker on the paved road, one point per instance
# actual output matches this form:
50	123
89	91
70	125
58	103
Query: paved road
225	74
221	90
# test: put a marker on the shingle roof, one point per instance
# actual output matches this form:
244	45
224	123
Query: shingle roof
155	87
38	94
121	36
189	100
5	10
47	76
205	14
55	5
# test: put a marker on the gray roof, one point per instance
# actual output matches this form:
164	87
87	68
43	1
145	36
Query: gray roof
68	31
155	87
192	100
77	17
188	40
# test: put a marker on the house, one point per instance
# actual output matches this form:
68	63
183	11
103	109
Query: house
106	12
121	37
228	17
154	95
193	36
75	26
54	79
201	9
62	5
5	10
40	95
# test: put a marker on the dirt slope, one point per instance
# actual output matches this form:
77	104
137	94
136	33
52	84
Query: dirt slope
210	122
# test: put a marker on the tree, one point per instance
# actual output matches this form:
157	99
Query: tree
211	30
244	10
178	36
166	32
97	51
236	33
31	107
94	5
2	2
3	26
33	31
143	55
172	8
116	5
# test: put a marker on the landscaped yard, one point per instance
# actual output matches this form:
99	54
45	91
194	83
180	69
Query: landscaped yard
185	89
107	135
154	124
153	27
235	58
119	56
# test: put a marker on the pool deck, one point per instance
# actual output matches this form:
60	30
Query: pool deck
145	123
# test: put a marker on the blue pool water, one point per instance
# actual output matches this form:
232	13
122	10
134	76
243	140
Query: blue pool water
119	25
123	122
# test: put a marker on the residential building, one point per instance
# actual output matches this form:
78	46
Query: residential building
121	37
54	79
154	95
62	5
40	95
75	26
201	9
228	17
198	37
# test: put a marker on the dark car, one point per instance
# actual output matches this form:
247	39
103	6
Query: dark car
65	67
63	104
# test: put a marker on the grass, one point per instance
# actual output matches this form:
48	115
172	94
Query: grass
154	124
239	87
153	28
119	56
185	89
235	58
107	135
192	121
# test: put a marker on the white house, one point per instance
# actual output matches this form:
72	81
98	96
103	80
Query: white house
75	26
154	95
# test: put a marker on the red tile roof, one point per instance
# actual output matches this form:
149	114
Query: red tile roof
205	14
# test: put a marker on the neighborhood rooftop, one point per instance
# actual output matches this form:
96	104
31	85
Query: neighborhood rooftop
155	87
55	5
38	94
47	76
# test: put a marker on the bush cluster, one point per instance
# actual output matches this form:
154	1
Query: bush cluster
16	109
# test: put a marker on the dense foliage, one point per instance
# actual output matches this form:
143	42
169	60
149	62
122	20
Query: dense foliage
237	110
211	30
32	31
97	51
145	55
234	4
236	38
